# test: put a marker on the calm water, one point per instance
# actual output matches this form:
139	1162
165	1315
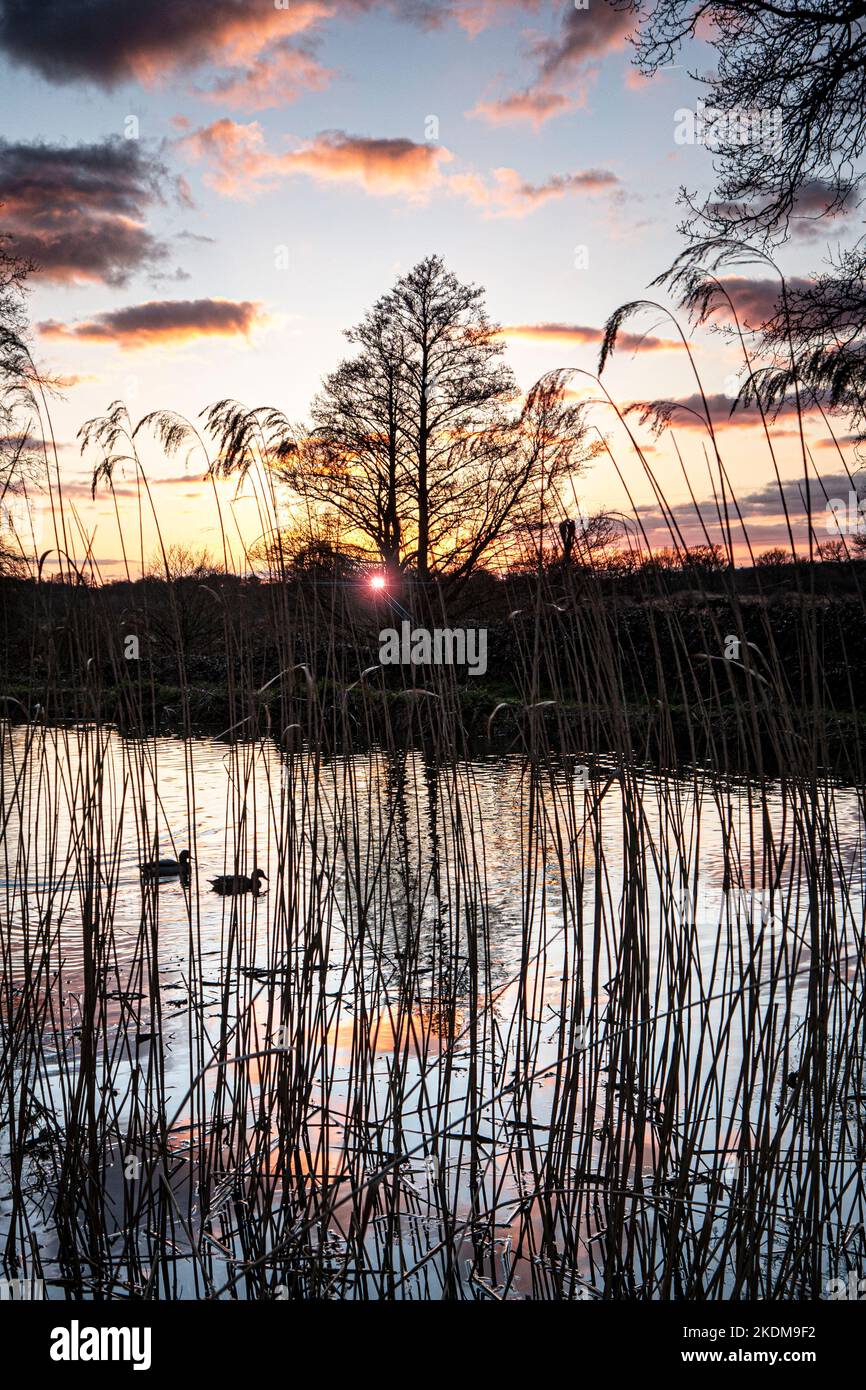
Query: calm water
515	893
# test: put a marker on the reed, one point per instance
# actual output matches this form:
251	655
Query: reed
499	1027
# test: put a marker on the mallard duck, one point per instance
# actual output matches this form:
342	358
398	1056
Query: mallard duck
167	868
229	885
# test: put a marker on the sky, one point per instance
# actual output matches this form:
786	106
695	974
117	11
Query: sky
214	190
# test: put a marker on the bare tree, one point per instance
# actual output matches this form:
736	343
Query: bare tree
800	65
458	392
355	460
21	451
178	561
774	558
786	98
420	452
419	442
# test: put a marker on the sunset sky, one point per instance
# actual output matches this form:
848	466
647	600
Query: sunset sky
214	190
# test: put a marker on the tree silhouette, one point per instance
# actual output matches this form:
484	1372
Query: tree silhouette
789	88
420	443
355	459
20	449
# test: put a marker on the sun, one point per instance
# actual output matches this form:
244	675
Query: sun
377	582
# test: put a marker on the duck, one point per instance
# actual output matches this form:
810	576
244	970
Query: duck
229	885
167	868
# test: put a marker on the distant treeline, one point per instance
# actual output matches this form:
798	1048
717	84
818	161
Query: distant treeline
205	652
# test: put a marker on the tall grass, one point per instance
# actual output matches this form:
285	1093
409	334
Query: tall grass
639	1076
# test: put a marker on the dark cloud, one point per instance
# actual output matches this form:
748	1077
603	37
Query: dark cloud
820	201
725	411
571	57
79	211
841	440
585	36
108	251
762	511
113	41
112	177
109	41
801	496
162	321
816	202
820	197
757	301
20	443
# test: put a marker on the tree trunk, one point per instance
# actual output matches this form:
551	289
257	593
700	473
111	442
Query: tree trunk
423	492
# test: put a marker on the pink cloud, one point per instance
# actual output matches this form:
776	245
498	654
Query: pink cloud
756	301
636	81
585	37
240	165
570	333
507	194
689	413
533	106
476	15
275	79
